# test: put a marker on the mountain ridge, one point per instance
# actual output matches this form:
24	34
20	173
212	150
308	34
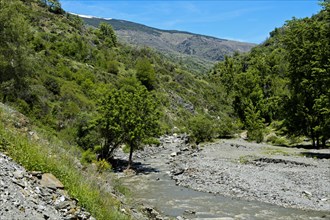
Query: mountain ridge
198	49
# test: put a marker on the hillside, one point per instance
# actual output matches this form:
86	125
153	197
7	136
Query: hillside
65	69
187	46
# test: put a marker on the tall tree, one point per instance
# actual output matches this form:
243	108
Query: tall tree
14	55
107	33
129	115
308	46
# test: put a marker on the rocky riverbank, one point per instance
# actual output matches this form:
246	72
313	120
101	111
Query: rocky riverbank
34	195
277	175
234	168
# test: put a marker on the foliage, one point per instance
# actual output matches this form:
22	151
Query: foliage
201	128
254	124
308	46
88	156
127	115
15	62
103	165
145	73
285	78
107	34
280	141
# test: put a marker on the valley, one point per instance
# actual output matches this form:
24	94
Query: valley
135	122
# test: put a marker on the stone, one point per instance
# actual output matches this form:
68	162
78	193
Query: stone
50	181
174	154
37	174
307	193
63	205
18	174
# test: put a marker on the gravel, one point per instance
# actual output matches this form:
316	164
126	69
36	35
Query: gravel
276	175
23	197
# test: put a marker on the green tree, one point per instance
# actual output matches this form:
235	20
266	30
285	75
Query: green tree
107	33
128	116
308	46
201	128
15	62
145	73
254	123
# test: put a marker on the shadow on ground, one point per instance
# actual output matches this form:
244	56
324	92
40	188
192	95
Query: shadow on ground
120	165
316	155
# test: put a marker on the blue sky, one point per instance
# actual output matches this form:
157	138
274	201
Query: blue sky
242	20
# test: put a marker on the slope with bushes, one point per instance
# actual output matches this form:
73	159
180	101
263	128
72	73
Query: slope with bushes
285	79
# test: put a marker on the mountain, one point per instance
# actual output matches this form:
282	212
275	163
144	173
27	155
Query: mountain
198	49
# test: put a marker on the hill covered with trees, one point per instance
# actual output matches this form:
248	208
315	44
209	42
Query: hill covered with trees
57	71
285	80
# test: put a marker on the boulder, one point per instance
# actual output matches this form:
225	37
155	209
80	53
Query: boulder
50	181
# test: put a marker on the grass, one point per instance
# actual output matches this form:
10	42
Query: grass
246	159
50	158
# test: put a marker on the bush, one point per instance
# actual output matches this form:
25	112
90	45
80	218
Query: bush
88	156
201	128
280	141
113	67
103	165
256	135
52	85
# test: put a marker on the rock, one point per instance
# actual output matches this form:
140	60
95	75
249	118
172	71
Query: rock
50	181
129	172
307	193
174	154
190	212
62	205
37	174
18	174
177	172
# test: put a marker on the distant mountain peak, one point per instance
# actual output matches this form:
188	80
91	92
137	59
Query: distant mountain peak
196	48
89	16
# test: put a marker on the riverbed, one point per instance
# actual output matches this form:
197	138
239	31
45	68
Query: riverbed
230	179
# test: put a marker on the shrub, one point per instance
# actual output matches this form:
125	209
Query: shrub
113	67
281	141
201	128
88	156
52	85
103	165
255	135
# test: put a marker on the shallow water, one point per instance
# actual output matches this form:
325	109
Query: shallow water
173	200
156	188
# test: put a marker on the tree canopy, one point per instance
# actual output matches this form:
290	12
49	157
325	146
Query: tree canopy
129	115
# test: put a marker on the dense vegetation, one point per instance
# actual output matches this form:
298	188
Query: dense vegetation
286	79
58	71
55	70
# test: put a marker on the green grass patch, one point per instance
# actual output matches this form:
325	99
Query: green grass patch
246	159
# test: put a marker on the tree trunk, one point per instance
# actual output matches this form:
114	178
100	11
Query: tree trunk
130	156
318	142
313	138
323	142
